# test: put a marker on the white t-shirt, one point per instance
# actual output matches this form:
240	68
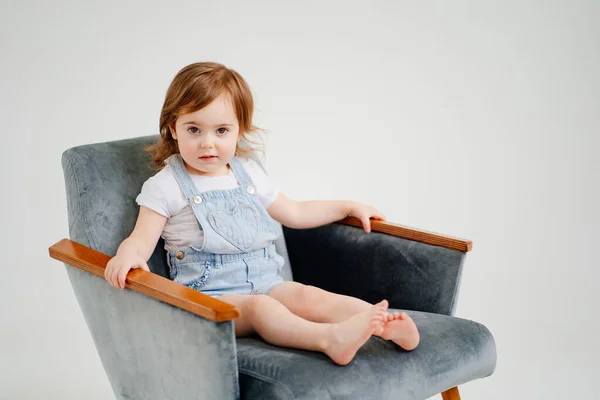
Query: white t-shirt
161	193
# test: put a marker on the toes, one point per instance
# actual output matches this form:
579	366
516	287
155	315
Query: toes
378	317
383	304
378	311
399	315
375	326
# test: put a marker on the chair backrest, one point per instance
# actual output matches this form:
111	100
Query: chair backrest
102	181
131	331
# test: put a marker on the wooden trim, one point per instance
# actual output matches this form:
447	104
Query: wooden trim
148	283
451	394
418	235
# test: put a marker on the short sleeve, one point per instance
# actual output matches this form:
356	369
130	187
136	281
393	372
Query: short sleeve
265	189
153	197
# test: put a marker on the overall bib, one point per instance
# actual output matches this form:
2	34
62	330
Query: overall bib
238	254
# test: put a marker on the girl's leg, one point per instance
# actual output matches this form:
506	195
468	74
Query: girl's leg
277	325
318	305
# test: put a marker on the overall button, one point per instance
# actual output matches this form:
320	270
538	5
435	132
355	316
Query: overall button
251	189
179	255
197	199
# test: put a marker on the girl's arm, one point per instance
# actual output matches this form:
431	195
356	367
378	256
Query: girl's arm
137	248
310	214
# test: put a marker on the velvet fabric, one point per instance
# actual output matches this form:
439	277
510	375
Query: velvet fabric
452	351
151	350
344	259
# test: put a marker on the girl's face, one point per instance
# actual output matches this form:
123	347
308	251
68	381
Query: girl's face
208	138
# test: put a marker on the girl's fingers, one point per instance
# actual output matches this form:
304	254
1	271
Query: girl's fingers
117	276
366	224
113	277
116	281
378	216
122	277
108	273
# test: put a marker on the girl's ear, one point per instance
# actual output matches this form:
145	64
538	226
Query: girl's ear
173	132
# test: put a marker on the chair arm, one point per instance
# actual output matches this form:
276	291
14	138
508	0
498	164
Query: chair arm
153	285
150	339
411	273
418	235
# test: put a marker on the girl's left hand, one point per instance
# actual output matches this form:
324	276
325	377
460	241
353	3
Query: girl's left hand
365	213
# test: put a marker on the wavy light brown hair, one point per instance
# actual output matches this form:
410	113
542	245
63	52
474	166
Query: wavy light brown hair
195	87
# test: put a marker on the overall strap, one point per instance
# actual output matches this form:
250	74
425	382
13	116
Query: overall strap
182	177
240	173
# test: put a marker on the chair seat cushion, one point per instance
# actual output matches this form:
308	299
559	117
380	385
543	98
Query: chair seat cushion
452	351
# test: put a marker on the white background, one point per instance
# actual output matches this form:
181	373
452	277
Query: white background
475	119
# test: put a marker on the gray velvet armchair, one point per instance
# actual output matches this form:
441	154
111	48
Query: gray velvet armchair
161	340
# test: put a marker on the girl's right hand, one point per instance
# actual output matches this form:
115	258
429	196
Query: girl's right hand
118	267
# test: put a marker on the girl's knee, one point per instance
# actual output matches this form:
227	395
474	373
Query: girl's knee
312	292
311	296
258	303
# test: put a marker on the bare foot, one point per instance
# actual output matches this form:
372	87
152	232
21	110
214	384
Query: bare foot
348	336
400	329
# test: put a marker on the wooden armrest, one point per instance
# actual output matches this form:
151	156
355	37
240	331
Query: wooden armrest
145	282
406	232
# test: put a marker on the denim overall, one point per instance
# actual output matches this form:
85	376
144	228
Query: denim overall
238	254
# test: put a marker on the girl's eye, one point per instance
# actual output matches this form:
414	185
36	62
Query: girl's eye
193	130
222	130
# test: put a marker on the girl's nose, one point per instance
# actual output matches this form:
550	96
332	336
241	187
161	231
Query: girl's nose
207	143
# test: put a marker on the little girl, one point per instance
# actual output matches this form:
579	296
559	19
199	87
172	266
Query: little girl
216	210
